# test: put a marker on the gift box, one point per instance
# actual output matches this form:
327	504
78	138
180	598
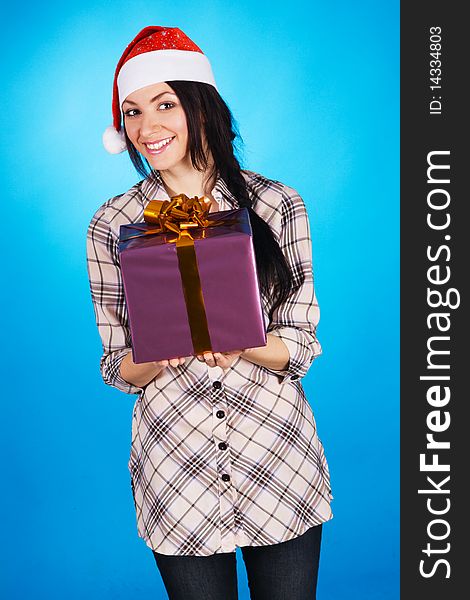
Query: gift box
190	281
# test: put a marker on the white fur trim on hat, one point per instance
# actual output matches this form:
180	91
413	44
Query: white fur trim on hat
163	65
114	141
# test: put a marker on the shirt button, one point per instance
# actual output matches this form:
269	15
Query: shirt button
226	477
294	377
223	446
217	385
220	414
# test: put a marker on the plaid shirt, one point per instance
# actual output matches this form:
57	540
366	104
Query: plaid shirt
219	458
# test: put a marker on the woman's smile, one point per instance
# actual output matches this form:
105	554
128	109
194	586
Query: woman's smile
159	146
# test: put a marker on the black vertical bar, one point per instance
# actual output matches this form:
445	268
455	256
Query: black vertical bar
434	270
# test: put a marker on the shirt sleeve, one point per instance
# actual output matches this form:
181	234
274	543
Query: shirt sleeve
295	321
107	294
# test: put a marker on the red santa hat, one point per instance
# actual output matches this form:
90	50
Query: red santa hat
155	55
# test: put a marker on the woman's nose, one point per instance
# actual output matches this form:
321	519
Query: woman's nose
150	124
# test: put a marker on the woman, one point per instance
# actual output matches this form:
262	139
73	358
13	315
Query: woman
225	451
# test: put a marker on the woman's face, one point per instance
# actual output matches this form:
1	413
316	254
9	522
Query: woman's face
156	125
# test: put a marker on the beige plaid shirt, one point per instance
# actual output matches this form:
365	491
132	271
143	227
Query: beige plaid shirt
219	458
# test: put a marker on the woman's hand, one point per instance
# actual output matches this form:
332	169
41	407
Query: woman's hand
219	359
172	362
141	374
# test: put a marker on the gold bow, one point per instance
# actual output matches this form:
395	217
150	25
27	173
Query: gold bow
179	214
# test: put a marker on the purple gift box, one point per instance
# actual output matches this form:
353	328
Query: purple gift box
202	297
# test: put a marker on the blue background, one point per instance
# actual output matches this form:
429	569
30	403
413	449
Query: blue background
314	87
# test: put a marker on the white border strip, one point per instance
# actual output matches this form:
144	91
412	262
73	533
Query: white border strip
163	65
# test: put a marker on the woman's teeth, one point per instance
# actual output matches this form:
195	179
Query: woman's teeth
160	144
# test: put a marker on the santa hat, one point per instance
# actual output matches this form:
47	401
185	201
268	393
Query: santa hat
155	55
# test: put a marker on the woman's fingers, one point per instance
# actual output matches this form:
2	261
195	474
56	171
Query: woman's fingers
213	359
226	359
175	362
219	359
160	363
209	358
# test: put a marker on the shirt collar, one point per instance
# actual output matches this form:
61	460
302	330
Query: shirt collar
153	189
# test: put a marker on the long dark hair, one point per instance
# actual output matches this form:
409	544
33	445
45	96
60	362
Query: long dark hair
206	110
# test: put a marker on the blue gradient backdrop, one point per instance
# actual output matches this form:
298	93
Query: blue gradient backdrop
314	87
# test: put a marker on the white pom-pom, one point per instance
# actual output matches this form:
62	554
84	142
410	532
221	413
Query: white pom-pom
114	141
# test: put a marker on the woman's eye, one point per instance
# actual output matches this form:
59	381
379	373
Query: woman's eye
132	112
169	104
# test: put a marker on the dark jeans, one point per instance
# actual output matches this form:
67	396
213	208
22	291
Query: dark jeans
285	571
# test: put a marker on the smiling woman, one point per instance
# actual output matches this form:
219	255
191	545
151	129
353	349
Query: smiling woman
155	120
225	451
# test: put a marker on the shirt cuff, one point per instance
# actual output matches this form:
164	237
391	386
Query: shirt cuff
303	349
110	367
